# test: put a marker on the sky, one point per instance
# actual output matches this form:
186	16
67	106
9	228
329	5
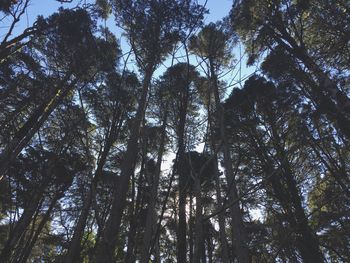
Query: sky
217	10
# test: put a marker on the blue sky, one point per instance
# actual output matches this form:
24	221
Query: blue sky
217	10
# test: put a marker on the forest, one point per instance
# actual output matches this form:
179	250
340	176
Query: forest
139	131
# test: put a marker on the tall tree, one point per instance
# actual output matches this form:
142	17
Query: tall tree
64	48
269	24
153	28
212	44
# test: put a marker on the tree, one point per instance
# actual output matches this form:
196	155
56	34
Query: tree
153	28
212	44
260	109
270	24
152	154
64	48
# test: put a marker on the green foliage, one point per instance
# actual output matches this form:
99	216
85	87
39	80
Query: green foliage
83	123
212	43
154	27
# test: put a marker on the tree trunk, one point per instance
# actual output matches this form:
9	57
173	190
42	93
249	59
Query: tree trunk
26	133
105	250
307	241
222	224
199	240
74	249
240	238
20	228
182	226
151	210
30	244
190	229
285	190
339	112
134	214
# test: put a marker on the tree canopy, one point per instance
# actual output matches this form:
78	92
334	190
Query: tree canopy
136	131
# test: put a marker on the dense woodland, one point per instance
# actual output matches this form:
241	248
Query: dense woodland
155	153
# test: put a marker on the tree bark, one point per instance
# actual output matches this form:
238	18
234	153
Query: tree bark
286	192
73	254
107	245
30	244
240	238
339	112
199	240
26	133
20	228
151	210
222	224
182	225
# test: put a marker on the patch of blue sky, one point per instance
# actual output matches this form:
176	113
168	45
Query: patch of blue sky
234	75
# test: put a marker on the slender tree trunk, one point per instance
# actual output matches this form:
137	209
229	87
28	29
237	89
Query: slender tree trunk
338	113
307	241
29	247
134	214
199	240
240	238
210	247
190	229
26	133
181	247
151	210
157	252
222	224
286	192
105	250
182	225
20	228
74	249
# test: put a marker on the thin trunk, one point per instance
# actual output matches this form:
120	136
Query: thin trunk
20	228
182	225
28	249
105	250
26	133
240	238
134	214
338	113
307	241
169	188
222	224
151	210
190	230
74	250
210	246
285	190
199	240
157	252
